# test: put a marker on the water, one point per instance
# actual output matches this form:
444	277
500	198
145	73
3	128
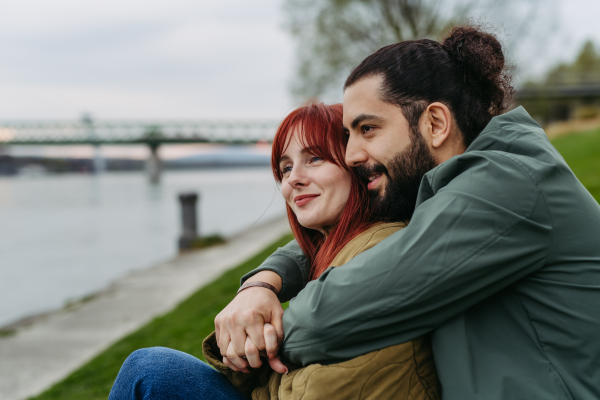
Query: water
63	237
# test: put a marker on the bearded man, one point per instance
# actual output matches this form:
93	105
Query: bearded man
500	261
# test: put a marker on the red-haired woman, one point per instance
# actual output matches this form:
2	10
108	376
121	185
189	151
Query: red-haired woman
328	211
326	203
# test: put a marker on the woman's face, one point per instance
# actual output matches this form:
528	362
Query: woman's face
315	189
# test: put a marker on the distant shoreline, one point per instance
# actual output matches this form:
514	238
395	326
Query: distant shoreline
12	166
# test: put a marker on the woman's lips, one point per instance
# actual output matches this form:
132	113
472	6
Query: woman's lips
304	199
372	184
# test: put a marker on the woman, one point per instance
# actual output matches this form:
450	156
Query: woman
328	213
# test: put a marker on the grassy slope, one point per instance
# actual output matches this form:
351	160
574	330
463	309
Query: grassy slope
186	326
582	153
183	329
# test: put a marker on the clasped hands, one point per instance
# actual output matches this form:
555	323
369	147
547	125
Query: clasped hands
250	327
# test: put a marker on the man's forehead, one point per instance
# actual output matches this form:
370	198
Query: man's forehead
363	94
366	87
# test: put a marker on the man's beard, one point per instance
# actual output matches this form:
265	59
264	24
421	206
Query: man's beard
404	174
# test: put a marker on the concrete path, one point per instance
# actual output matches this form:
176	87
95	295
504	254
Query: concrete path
57	344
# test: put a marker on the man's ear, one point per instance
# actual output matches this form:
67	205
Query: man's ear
439	120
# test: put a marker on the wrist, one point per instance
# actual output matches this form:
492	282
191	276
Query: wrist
270	277
259	284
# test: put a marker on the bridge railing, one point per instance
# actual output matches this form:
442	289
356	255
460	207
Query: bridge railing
135	132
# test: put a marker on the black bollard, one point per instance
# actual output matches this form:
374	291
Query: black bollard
189	220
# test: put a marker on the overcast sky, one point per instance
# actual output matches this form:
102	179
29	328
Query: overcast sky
170	59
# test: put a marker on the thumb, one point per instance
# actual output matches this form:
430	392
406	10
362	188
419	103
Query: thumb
277	365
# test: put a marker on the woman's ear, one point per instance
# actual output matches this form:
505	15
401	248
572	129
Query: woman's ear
439	120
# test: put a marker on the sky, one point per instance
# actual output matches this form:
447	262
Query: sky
189	59
134	59
181	59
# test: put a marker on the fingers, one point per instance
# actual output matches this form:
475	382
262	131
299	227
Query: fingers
252	354
223	340
277	365
238	342
277	322
217	332
229	364
237	362
255	332
271	340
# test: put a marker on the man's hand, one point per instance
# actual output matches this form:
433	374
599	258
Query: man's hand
246	316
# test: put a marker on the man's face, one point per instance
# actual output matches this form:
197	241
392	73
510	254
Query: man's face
384	151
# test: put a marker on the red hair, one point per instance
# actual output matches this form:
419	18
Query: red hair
321	130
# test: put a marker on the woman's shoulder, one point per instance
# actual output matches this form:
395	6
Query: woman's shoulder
365	240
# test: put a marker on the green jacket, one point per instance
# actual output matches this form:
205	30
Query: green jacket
501	260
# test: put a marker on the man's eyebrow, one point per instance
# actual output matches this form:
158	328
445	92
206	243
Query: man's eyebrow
363	117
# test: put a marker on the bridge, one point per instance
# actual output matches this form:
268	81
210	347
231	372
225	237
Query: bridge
557	103
150	133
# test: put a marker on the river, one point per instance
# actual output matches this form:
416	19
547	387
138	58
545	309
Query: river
63	237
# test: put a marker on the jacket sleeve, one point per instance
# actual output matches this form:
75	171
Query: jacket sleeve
480	225
290	263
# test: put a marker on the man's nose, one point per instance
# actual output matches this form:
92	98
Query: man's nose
355	154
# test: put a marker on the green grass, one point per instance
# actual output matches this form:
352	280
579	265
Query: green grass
183	329
582	152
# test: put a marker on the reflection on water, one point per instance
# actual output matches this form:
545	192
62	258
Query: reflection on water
62	237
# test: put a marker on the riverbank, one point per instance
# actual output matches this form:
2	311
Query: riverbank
49	350
66	236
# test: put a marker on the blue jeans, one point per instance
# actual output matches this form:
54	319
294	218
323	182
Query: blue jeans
161	373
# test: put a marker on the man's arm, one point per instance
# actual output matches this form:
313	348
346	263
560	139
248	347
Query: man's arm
290	263
480	225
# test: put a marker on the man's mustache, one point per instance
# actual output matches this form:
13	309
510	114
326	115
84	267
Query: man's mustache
364	171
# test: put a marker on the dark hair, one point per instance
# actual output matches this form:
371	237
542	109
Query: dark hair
467	72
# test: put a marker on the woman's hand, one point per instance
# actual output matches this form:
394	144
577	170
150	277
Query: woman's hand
252	354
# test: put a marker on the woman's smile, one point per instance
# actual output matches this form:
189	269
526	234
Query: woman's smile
304	199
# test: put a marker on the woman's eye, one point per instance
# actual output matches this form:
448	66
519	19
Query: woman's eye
286	170
315	159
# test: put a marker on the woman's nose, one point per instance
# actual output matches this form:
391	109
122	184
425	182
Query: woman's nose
297	177
355	154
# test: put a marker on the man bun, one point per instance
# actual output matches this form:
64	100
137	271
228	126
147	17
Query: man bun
467	71
479	54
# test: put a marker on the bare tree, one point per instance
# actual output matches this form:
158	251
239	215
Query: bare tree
332	36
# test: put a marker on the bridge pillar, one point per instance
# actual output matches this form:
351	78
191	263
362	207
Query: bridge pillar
153	165
99	161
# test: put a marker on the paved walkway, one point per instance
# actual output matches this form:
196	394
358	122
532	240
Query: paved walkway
56	345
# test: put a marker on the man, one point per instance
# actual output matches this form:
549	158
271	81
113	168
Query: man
500	260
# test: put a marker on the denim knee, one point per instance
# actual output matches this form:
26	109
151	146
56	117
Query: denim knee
147	370
162	373
147	360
